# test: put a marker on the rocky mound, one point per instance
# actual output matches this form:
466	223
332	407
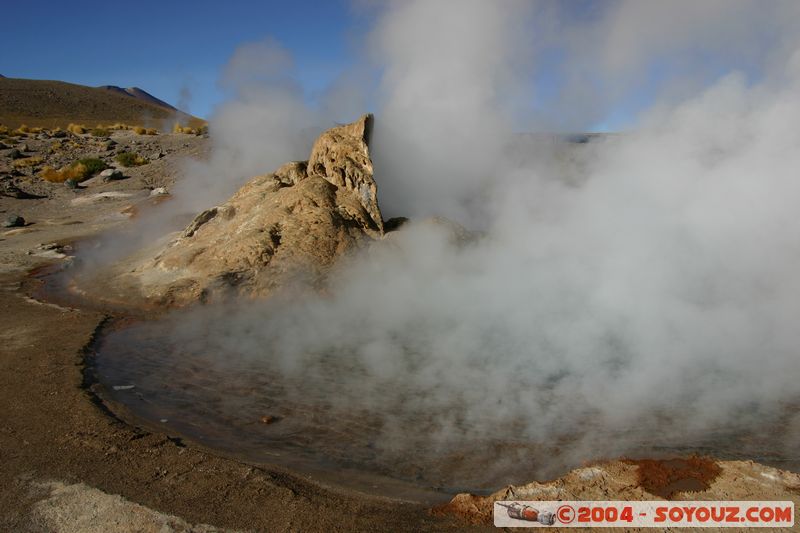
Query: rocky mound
694	478
290	225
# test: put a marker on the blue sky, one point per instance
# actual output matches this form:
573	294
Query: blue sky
167	45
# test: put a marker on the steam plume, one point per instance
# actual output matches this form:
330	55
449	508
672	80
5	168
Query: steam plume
659	280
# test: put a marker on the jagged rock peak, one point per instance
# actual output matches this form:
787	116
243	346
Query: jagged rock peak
341	156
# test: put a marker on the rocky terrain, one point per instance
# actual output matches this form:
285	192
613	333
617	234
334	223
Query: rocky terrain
24	157
287	226
694	478
40	216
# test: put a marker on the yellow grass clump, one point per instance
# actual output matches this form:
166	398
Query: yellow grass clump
72	172
177	128
77	129
78	171
129	159
138	130
4	130
27	162
152	131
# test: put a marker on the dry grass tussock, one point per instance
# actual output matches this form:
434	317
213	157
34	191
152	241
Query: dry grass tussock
77	129
129	159
78	171
27	162
177	128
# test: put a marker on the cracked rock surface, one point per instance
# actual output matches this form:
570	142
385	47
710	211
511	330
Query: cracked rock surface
287	226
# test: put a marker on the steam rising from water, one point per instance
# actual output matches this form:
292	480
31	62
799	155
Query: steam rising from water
620	286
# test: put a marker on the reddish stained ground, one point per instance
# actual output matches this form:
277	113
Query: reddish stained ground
666	477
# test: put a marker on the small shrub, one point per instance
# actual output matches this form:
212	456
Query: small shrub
50	174
78	171
77	129
128	159
27	162
152	131
177	128
99	132
93	166
4	130
138	130
75	172
24	129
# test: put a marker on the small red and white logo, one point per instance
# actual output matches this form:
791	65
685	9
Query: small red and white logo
690	514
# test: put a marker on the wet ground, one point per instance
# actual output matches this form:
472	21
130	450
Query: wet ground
253	409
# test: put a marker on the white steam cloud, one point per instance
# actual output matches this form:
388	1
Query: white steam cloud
660	281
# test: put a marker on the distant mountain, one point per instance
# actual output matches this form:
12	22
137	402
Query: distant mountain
47	103
141	94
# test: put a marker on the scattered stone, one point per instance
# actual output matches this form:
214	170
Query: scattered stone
199	220
109	145
156	155
394	223
269	419
51	251
15	154
24	148
124	387
159	191
9	189
98	197
111	174
14	221
58	134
